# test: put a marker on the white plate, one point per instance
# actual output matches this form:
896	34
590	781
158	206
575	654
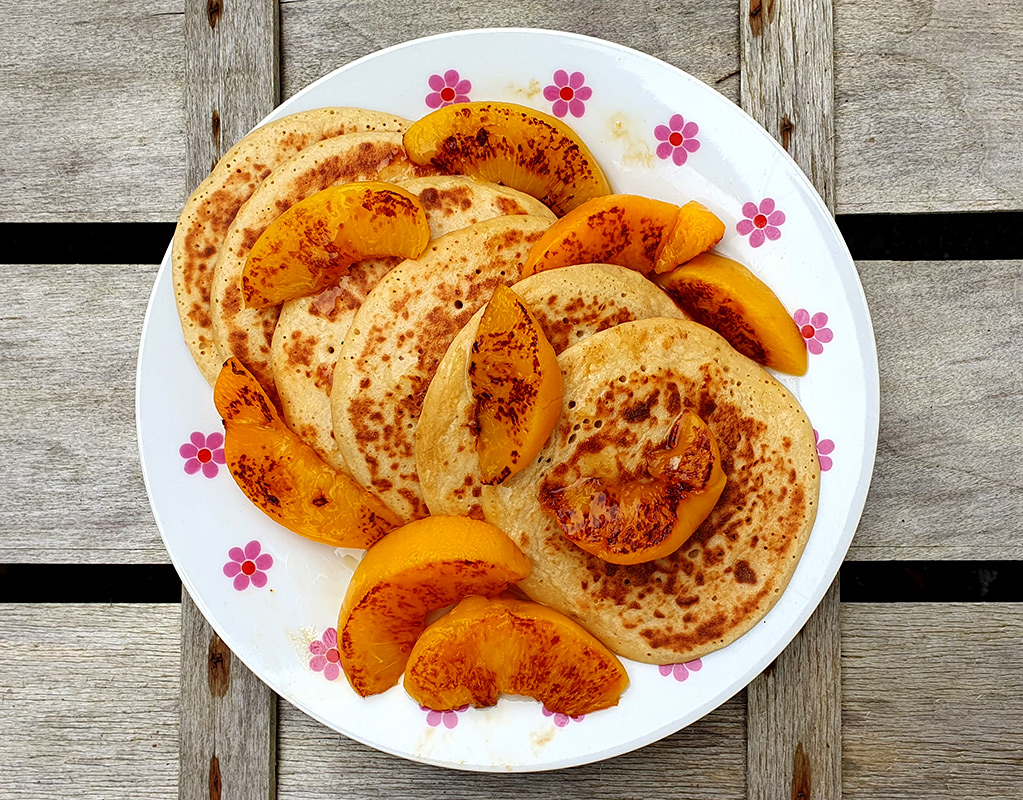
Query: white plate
628	107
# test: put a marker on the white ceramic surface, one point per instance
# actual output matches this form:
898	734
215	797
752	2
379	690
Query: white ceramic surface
639	116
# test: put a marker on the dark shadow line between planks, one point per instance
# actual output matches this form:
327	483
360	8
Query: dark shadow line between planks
965	236
862	582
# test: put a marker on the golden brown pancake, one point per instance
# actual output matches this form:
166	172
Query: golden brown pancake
570	304
246	333
211	209
310	330
624	388
398	338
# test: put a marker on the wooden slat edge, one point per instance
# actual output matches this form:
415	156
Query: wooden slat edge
794	709
228	716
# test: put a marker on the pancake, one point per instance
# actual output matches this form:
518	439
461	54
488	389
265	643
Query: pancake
624	387
398	338
570	304
208	213
311	329
246	333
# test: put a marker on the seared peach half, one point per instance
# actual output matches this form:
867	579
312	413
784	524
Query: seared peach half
284	476
633	518
483	648
421	567
696	229
313	243
725	296
512	145
621	229
517	384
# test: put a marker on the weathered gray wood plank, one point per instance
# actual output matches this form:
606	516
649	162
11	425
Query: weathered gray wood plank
948	481
794	725
928	105
700	37
706	761
88	702
932	701
228	723
90	96
73	489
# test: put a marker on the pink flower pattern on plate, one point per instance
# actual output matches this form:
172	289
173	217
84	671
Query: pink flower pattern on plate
561	720
203	452
825	447
761	222
326	655
248	566
677	139
813	330
568	93
681	671
448	719
448	89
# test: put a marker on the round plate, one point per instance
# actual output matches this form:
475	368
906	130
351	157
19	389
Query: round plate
274	597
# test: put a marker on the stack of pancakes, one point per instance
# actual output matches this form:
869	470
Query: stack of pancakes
372	373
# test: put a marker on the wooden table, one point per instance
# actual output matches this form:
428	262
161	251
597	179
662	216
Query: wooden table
903	690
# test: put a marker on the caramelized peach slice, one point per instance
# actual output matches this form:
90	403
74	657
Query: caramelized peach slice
313	243
485	647
517	384
421	567
696	229
725	296
641	517
285	477
512	145
621	229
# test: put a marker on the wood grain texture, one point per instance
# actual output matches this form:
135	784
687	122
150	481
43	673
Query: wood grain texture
68	342
932	701
88	702
228	722
232	76
318	36
787	81
91	99
948	479
794	722
706	760
928	105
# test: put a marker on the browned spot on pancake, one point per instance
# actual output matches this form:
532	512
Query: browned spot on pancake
744	573
447	201
324	376
249	238
419	508
640	411
510	207
299	349
673	405
200	315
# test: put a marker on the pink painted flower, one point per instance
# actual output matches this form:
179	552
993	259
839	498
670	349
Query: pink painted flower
448	89
248	565
568	93
813	330
761	222
681	671
325	655
561	720
825	447
677	139
203	452
448	719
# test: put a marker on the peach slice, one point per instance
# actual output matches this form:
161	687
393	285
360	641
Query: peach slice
637	518
284	476
696	230
421	567
313	243
621	229
512	145
517	384
485	647
725	296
